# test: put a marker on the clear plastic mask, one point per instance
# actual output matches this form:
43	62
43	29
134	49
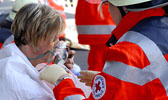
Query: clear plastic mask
61	53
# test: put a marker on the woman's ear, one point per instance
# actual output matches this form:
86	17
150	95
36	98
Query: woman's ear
125	9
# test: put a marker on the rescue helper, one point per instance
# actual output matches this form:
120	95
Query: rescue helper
93	30
136	65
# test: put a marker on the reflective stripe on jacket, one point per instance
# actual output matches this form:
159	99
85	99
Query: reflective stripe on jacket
92	28
66	90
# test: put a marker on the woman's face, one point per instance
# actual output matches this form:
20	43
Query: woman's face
47	45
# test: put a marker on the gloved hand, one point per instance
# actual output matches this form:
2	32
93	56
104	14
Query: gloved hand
87	76
53	73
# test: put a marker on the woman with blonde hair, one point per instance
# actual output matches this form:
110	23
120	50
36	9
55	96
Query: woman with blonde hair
36	30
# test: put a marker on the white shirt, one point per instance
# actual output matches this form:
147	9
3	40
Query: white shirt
19	80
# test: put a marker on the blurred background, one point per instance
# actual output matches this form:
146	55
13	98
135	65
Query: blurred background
70	31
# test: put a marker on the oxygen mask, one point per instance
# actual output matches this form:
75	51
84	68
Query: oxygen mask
61	53
58	55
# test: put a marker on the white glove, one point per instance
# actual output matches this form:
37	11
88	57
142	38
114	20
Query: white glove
53	73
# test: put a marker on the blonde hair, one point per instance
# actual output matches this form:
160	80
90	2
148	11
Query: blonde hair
34	23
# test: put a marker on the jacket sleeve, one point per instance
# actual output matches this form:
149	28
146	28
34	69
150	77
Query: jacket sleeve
66	90
107	87
111	84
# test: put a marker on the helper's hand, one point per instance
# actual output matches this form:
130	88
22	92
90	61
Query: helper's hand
87	76
69	63
52	73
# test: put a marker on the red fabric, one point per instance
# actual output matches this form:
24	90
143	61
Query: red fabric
132	18
87	14
1	45
128	53
61	36
120	90
166	56
66	88
116	89
93	39
122	54
95	57
131	54
57	7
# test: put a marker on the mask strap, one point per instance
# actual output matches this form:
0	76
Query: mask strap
38	57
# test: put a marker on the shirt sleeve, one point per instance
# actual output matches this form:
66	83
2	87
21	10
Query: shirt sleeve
66	90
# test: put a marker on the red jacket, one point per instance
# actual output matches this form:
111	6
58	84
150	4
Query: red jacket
92	28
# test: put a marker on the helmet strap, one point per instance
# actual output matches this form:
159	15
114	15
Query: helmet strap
123	13
166	10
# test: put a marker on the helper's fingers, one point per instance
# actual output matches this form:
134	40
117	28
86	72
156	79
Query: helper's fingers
87	82
84	77
71	54
69	63
87	74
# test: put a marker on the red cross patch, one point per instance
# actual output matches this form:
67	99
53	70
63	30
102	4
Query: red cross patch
99	87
